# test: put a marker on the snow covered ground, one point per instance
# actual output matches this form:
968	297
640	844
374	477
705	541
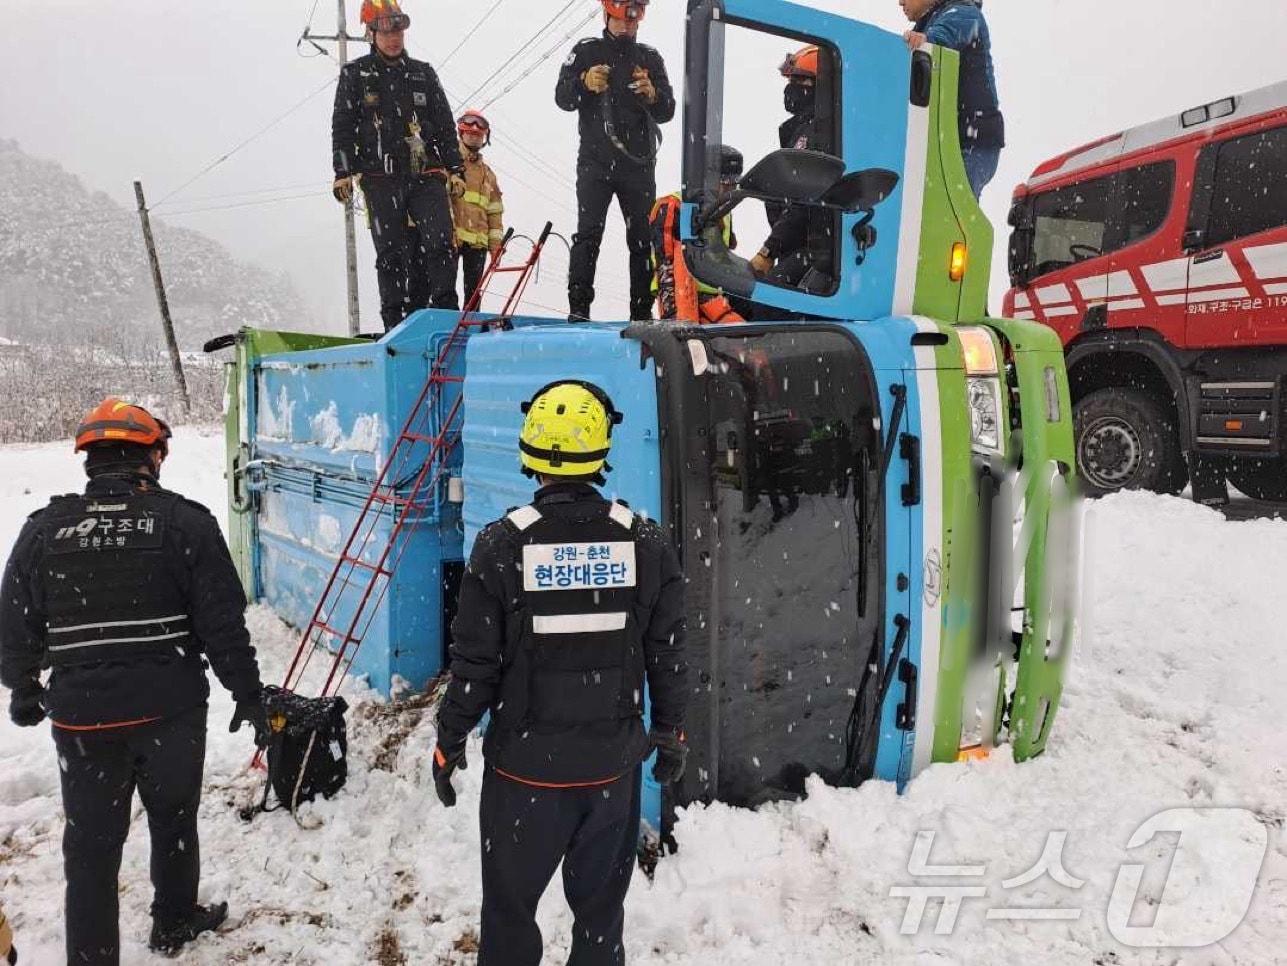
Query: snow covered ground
1176	700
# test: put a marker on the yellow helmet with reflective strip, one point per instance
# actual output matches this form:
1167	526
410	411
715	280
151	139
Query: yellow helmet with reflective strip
568	430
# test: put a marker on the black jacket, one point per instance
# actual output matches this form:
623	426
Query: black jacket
960	25
796	227
190	564
376	102
632	118
489	635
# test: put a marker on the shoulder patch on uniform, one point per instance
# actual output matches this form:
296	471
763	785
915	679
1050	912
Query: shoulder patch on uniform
621	515
523	517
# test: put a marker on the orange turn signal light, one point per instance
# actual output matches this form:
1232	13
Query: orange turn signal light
956	268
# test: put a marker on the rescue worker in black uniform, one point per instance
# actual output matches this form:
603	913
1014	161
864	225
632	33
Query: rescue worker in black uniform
620	90
393	128
566	607
799	249
122	592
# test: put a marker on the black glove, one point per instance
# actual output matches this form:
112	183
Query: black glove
672	753
444	766
252	710
25	709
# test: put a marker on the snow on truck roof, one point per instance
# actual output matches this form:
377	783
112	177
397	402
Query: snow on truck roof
1205	118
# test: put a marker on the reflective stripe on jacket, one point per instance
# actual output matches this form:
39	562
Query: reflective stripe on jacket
665	236
477	213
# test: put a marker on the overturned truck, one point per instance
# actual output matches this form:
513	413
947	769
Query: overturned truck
868	487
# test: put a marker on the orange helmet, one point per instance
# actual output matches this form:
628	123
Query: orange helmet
384	15
473	121
803	63
116	421
625	9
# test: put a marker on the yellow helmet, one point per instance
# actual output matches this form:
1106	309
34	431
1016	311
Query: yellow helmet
568	430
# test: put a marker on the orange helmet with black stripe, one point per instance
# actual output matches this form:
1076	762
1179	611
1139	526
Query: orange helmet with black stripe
114	421
383	15
802	63
625	9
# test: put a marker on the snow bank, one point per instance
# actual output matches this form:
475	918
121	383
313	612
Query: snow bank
1175	700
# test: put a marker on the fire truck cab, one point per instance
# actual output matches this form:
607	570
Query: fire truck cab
1159	255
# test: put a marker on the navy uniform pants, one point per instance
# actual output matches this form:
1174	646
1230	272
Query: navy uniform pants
415	257
635	188
526	832
100	771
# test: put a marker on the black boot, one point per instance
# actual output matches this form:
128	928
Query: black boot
641	310
169	937
578	311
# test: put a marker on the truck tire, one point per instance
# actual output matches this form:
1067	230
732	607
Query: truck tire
1127	440
1261	479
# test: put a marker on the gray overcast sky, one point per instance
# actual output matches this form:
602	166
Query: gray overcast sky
117	90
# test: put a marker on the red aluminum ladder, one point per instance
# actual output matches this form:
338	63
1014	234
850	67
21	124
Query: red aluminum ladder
362	573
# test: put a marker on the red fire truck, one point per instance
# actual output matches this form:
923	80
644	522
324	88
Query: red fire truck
1159	255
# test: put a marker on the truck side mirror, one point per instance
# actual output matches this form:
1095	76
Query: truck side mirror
1020	261
860	190
922	78
1021	242
792	175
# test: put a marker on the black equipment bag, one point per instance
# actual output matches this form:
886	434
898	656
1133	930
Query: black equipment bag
308	750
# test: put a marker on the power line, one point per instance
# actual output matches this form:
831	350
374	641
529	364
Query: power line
465	39
247	204
531	41
237	194
514	62
124	216
538	62
262	131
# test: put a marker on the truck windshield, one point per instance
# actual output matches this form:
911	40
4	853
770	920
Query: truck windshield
1099	216
788	95
792	452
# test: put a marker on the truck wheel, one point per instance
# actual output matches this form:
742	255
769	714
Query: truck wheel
1261	479
1127	440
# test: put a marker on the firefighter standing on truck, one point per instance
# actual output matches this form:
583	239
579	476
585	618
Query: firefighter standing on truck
567	606
620	91
798	251
680	295
125	592
392	127
477	212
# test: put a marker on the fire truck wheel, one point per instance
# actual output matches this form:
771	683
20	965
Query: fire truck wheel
1261	479
1127	440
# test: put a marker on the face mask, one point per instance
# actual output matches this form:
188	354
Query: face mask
797	99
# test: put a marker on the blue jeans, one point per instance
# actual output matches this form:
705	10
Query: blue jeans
980	166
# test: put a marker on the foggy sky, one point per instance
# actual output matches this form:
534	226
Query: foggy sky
117	90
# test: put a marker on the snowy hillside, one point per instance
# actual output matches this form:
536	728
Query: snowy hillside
1175	701
73	268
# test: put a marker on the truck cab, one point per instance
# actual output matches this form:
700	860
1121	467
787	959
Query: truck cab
1159	256
868	487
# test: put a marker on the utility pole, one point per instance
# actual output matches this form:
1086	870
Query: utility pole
341	39
175	362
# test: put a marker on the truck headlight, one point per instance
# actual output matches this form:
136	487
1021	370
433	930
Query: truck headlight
983	387
983	395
